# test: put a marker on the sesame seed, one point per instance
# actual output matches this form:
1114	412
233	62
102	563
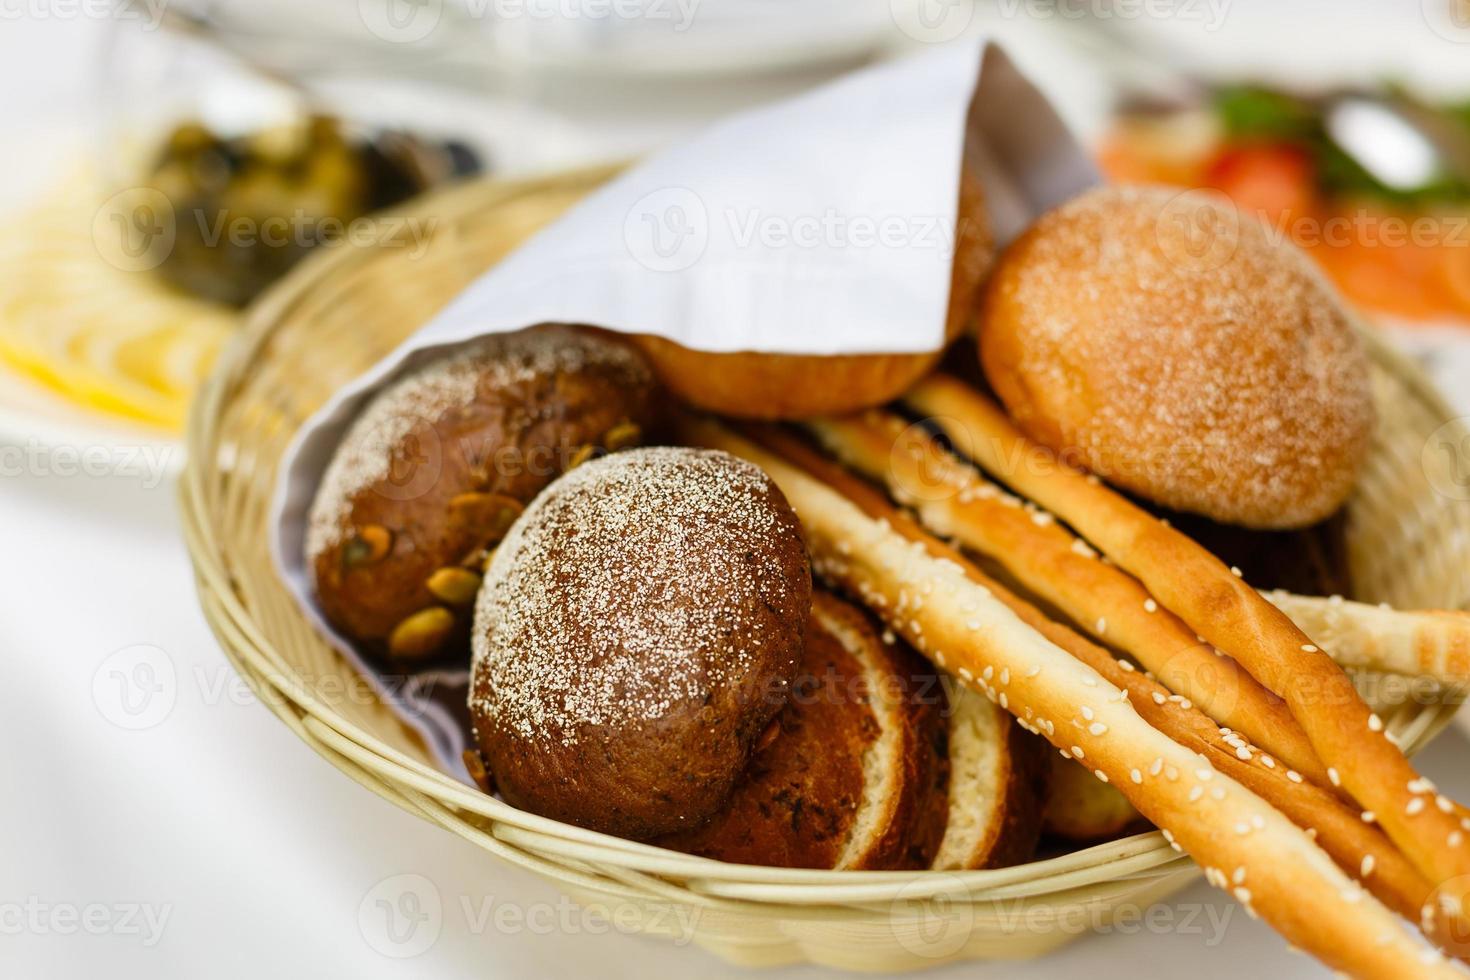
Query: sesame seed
1195	793
1243	754
1158	765
1217	793
1369	816
1159	698
1097	728
1309	648
1415	806
1367	866
1334	777
1100	774
1242	829
1375	723
1136	776
1102	626
1455	839
1150	606
1234	570
1293	775
1445	804
1077	751
1126	666
1086	713
1268	762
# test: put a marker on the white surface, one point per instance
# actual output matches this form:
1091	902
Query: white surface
261	855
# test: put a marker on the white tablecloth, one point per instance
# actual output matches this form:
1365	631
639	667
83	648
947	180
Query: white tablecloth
156	822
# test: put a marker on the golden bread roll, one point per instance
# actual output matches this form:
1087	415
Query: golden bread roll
1082	808
746	384
1168	343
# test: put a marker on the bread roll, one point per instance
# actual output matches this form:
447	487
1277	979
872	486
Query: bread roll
1082	809
858	775
1167	343
745	384
638	630
434	469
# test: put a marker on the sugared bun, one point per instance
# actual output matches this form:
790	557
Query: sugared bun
791	386
636	635
1165	342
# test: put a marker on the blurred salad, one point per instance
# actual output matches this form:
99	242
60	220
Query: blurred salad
1401	251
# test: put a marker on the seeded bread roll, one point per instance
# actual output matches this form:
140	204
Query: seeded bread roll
1165	342
437	466
638	631
857	777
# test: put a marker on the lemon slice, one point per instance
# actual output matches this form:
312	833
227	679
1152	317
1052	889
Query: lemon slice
90	319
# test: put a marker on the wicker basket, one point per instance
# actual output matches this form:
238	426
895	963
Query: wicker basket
347	307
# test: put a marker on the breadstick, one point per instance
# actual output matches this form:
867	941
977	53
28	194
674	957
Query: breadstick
1430	643
1348	737
1271	866
1361	850
955	501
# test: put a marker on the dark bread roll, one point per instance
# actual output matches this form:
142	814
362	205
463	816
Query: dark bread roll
433	471
856	778
638	631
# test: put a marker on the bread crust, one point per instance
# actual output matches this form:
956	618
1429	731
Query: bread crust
638	630
954	501
1245	844
1009	795
1345	733
806	800
1218	376
746	384
500	420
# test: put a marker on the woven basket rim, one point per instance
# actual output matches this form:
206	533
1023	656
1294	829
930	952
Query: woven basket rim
522	837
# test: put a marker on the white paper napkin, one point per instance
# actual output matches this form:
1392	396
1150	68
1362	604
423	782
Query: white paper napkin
820	225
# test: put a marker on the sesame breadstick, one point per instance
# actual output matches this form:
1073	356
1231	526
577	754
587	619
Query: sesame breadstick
962	626
955	501
1429	643
1360	849
1348	737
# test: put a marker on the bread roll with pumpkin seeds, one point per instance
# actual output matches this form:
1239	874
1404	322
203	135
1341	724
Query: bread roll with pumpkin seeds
435	469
